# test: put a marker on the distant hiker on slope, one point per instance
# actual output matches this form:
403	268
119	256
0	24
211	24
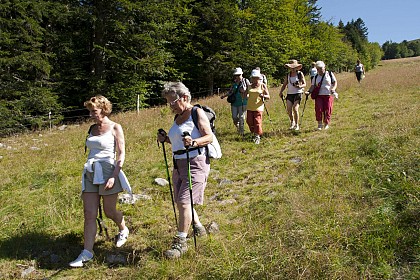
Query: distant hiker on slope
323	92
257	94
295	83
237	99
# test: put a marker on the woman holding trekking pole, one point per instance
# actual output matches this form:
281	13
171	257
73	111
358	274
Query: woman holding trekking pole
187	141
102	175
257	92
295	83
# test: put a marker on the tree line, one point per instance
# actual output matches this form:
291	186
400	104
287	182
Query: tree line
401	50
56	54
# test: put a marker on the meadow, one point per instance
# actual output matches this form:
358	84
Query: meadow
336	204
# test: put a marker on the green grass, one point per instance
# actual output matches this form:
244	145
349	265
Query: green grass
337	204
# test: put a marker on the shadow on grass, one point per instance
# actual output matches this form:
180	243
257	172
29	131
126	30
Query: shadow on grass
54	253
49	251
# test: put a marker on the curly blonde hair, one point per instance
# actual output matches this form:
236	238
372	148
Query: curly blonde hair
99	102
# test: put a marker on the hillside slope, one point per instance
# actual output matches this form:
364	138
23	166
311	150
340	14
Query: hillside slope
336	204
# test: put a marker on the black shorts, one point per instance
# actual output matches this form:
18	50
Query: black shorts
294	98
359	76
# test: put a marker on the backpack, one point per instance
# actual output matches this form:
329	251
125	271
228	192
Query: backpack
213	149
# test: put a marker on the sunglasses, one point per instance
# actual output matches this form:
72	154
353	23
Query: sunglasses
174	102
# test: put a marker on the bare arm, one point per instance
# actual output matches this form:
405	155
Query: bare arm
205	131
265	93
333	85
302	83
120	149
283	87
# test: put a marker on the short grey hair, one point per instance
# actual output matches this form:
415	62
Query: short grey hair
176	89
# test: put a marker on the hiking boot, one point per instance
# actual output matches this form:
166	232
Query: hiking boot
179	247
84	257
122	237
200	231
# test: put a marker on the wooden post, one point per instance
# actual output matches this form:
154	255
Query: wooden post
138	104
49	118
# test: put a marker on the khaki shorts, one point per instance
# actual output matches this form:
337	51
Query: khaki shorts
107	170
200	169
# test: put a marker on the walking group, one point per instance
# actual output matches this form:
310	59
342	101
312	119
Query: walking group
247	98
190	136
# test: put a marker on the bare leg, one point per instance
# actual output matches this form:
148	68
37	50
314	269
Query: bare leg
184	217
90	211
110	209
296	112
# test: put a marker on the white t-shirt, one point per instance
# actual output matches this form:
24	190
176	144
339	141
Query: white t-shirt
326	82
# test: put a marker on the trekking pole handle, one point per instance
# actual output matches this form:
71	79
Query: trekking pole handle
162	132
184	134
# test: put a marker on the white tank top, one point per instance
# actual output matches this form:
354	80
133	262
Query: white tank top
291	89
101	146
175	134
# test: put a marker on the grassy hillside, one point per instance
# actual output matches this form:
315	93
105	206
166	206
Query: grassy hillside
336	204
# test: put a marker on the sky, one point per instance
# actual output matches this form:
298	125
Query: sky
386	20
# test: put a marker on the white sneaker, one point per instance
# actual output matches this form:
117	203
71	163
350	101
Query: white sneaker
297	127
292	125
326	126
122	237
257	140
84	256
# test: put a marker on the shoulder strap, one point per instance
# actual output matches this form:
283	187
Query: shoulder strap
322	79
299	75
331	77
90	129
194	116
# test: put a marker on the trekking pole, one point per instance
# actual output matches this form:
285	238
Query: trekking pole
284	104
303	111
162	132
101	223
190	187
266	110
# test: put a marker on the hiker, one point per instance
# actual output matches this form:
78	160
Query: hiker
257	93
264	77
359	69
237	99
295	83
312	71
102	175
326	82
179	97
